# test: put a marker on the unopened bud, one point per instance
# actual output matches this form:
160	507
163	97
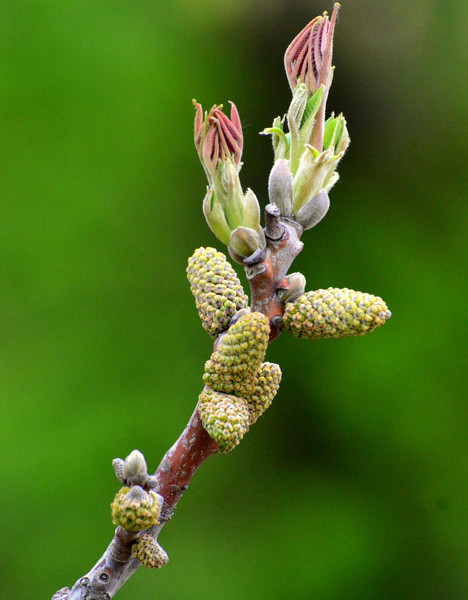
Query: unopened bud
245	241
135	470
313	211
297	283
280	187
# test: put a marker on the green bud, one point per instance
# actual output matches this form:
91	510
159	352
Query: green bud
245	241
251	216
232	198
313	211
134	509
147	550
224	417
215	217
266	385
315	173
335	313
280	187
216	287
135	470
336	134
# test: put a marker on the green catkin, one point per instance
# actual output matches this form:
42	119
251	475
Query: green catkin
147	550
225	417
233	366
266	384
134	509
334	313
217	290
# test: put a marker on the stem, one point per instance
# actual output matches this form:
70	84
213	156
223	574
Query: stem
195	445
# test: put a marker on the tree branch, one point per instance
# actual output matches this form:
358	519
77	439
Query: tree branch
195	445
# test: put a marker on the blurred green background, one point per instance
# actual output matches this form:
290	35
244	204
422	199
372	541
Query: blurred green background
354	485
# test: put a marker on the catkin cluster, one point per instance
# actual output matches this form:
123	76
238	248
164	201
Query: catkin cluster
239	385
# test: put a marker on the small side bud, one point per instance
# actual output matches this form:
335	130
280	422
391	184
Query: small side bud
251	217
297	283
224	417
134	509
215	217
147	550
280	187
135	471
245	241
313	211
117	465
335	313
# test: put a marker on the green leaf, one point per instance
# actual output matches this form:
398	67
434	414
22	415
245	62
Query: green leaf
312	105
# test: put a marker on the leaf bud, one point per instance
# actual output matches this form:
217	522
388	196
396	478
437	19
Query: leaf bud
280	187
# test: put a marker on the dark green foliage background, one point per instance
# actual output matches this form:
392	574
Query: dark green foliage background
354	485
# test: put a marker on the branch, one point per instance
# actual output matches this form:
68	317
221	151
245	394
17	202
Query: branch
195	445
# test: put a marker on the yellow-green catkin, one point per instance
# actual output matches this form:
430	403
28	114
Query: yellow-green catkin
216	287
233	366
266	384
225	417
334	313
135	509
147	550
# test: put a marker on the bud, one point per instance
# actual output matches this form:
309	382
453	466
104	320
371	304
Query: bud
297	283
224	417
117	465
147	550
215	217
245	241
216	287
135	470
316	172
335	313
266	385
308	57
239	355
313	211
134	509
280	187
251	213
217	137
336	135
308	61
219	142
